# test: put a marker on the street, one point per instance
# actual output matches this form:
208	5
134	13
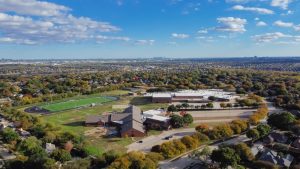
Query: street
149	142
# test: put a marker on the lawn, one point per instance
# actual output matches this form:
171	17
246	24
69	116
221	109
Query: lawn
72	104
73	120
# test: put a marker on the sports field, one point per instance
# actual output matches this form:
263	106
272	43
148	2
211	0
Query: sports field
71	104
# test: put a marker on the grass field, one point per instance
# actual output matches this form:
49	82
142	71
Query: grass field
71	104
73	119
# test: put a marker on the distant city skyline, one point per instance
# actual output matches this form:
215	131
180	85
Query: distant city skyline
93	29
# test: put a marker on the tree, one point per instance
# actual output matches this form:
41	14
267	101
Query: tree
168	150
263	129
281	120
188	119
111	156
179	145
224	131
226	157
200	137
185	105
156	157
223	105
189	142
31	146
210	105
253	134
202	128
176	121
172	108
203	154
9	135
61	155
244	152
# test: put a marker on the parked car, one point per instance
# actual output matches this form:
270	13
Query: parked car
168	137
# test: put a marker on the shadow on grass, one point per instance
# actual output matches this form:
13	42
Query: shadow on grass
75	124
140	101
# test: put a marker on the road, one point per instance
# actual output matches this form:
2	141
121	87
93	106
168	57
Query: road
153	140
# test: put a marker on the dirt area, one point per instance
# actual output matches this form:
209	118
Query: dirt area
96	132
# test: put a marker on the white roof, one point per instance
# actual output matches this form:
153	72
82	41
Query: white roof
203	93
162	95
153	112
159	118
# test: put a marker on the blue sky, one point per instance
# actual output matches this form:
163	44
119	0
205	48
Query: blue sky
53	29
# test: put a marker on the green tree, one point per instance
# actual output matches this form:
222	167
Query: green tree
253	134
31	146
188	119
172	108
226	157
9	135
263	129
176	121
61	155
281	120
210	105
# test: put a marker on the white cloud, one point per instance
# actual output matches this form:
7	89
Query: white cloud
203	31
261	23
38	22
283	4
180	36
32	7
144	42
231	24
297	28
269	37
283	24
102	38
253	9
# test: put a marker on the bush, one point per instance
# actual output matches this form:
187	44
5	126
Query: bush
9	135
61	155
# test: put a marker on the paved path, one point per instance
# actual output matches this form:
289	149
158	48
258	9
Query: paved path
153	140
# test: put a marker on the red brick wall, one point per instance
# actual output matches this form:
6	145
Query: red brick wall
133	133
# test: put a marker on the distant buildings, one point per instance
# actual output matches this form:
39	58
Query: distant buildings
192	96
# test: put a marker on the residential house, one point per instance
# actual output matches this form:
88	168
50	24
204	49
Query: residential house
276	159
275	137
296	143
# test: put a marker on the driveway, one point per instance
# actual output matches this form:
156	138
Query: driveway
149	142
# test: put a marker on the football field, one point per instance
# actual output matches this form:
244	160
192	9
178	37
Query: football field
72	104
